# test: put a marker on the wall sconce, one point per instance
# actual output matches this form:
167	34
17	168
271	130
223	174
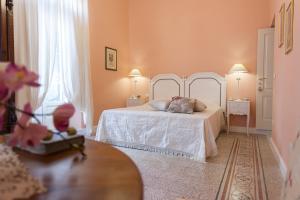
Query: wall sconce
238	69
135	73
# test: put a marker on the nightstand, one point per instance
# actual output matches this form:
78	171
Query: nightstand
238	107
135	102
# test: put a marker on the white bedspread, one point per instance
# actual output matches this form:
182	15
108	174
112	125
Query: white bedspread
191	135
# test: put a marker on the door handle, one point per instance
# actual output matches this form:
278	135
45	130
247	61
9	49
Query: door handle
260	89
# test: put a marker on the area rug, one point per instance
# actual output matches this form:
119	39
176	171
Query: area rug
245	168
244	175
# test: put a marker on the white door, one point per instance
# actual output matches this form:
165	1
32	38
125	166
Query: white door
264	83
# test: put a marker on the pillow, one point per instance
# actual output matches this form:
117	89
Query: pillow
161	105
181	105
199	106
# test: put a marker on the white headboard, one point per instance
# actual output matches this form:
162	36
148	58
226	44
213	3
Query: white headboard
166	86
209	87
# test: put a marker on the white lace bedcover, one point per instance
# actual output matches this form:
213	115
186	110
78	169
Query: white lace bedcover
192	134
15	181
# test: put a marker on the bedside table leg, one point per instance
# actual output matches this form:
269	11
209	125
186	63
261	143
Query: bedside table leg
228	120
248	121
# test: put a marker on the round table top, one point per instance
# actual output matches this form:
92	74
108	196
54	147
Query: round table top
106	174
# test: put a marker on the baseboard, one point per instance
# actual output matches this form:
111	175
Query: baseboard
240	129
282	165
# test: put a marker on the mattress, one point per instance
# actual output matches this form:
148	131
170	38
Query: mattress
141	127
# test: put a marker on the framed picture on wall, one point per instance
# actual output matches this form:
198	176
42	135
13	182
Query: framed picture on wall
281	25
289	27
111	59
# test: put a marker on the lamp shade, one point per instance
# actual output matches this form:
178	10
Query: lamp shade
135	73
238	68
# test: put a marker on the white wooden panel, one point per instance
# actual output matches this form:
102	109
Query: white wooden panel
166	86
267	72
208	87
205	85
267	108
264	84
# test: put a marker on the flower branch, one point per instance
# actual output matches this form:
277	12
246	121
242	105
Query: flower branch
26	133
34	116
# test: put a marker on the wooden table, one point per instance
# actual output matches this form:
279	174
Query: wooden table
106	174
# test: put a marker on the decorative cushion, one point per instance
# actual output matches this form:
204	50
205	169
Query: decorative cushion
161	105
181	105
199	106
16	182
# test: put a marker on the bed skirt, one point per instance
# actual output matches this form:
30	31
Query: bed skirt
149	148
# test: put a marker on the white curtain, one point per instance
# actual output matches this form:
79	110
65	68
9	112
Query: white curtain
56	45
26	45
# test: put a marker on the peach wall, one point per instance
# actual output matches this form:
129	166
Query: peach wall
109	26
173	36
286	109
183	37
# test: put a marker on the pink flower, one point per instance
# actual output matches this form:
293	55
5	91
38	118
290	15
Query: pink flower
4	91
25	133
24	119
28	136
62	115
1	122
2	139
2	111
16	77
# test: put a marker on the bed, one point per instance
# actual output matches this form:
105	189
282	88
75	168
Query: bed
188	135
